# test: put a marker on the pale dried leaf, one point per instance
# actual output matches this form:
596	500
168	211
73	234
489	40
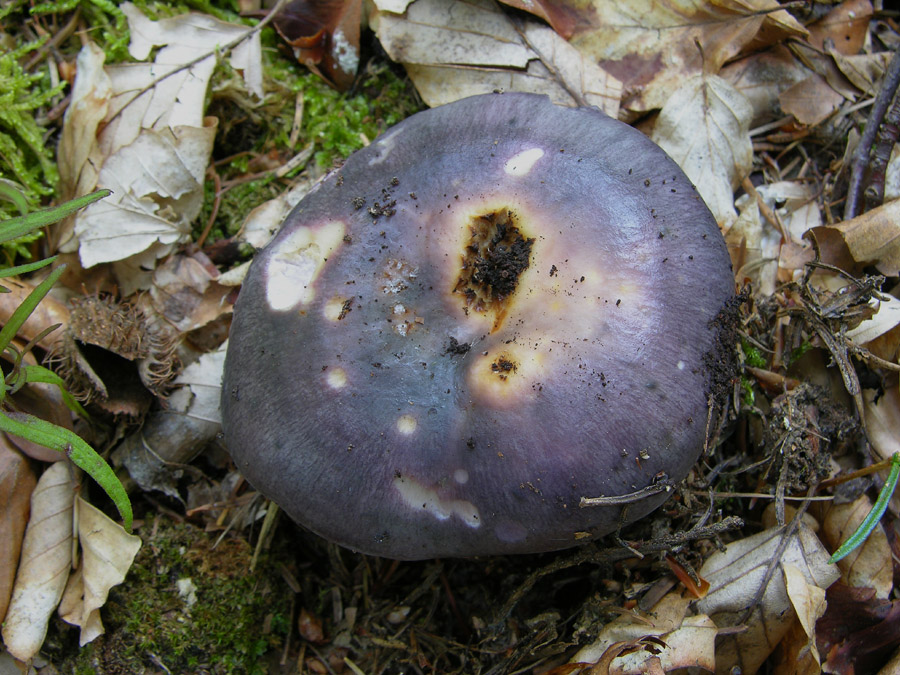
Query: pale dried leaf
153	142
810	101
864	71
886	317
705	127
808	601
453	49
873	237
869	565
735	577
44	565
107	554
690	640
892	177
651	45
17	482
201	388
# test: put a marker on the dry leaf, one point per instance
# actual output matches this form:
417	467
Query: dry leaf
886	318
173	436
652	45
705	127
44	565
689	640
17	482
185	293
762	77
808	601
793	656
107	552
561	16
735	578
810	101
152	148
873	237
846	26
324	36
50	311
453	49
869	565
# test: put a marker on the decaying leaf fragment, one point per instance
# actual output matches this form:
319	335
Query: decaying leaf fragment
682	640
705	127
107	552
456	49
735	577
44	565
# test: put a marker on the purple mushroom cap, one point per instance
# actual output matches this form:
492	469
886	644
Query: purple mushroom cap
497	308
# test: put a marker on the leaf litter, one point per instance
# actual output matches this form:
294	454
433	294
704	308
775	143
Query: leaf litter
759	103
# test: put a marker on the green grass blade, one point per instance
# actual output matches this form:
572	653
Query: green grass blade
41	374
26	268
28	305
83	455
22	225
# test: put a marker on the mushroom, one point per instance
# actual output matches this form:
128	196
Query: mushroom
497	308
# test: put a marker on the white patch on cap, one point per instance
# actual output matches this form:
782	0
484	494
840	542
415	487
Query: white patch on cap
384	145
334	308
520	164
417	496
461	476
680	365
296	262
336	378
406	424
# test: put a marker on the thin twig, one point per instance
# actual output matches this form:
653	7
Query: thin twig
861	155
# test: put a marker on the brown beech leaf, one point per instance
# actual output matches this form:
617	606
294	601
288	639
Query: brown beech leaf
652	45
808	601
680	641
810	101
869	565
846	26
871	238
17	481
457	48
562	16
761	77
44	565
324	35
735	578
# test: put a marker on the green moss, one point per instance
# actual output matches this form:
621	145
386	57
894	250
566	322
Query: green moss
334	124
752	356
238	618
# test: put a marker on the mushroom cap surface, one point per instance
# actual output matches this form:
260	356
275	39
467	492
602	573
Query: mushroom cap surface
497	308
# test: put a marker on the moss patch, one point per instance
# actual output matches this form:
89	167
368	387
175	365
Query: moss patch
238	620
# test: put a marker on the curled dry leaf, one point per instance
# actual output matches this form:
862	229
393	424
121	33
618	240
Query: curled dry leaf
652	45
150	147
808	601
456	49
17	482
869	565
845	26
689	640
705	127
871	238
107	552
324	35
172	437
44	565
735	578
763	76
